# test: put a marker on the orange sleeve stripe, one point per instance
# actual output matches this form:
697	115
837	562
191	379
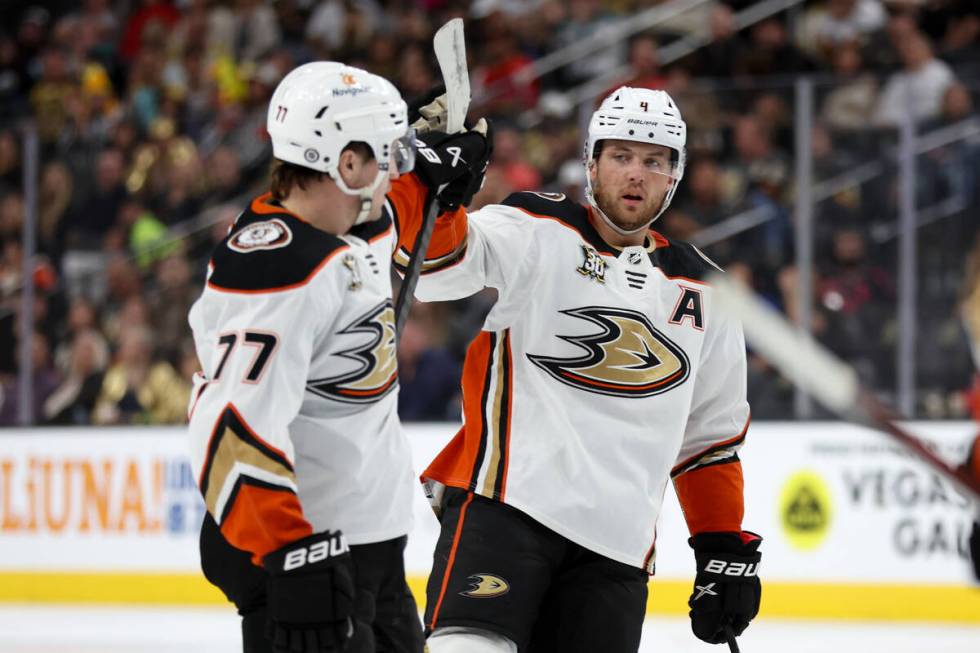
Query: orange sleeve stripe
408	196
454	464
712	498
451	561
263	519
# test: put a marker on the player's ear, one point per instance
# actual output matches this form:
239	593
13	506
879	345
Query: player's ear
349	167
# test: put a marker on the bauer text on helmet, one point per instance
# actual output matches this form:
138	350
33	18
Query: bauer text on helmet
641	116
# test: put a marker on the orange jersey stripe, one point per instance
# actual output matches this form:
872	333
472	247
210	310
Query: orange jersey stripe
451	561
711	498
261	206
456	462
262	519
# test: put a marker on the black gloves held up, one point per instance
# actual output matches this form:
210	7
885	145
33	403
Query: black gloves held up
453	165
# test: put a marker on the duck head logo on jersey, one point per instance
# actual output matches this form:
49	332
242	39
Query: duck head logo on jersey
629	357
486	586
377	374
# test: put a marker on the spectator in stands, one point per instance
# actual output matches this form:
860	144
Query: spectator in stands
11	175
499	75
428	375
45	380
644	65
49	97
169	303
54	203
704	203
752	140
224	174
587	19
846	22
97	213
851	100
857	296
770	52
718	58
72	402
916	90
961	41
137	389
509	158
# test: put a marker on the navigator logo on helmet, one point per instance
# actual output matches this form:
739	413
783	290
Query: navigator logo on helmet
644	116
322	107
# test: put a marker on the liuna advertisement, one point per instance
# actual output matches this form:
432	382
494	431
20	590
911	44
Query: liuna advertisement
852	524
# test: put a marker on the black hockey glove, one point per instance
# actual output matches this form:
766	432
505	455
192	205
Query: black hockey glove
453	165
727	590
310	594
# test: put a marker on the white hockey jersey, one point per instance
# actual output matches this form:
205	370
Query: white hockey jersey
293	424
601	373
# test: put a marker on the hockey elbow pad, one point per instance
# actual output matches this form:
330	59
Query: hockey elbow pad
310	593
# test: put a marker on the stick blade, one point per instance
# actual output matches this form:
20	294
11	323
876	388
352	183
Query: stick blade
450	48
830	380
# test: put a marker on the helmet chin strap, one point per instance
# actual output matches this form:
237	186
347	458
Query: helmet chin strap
365	194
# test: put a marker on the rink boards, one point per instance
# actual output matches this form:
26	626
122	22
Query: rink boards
853	527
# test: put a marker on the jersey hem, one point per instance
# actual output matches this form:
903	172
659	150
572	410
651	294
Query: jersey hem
375	537
547	522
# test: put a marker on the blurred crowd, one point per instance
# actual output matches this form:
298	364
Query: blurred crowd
151	115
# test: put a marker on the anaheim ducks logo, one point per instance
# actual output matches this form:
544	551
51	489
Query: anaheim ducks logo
378	371
486	586
628	358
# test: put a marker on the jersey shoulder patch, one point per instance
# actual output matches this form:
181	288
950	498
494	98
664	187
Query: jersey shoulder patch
270	249
558	207
676	258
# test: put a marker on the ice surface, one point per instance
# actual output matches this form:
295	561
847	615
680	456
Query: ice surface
100	629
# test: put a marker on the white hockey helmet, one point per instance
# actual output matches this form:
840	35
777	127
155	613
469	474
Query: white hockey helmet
319	108
645	116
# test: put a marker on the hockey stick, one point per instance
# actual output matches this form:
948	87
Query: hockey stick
450	49
730	638
833	382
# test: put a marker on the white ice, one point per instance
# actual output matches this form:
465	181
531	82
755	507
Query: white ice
74	629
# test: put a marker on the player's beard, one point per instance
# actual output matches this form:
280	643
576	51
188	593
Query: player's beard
608	204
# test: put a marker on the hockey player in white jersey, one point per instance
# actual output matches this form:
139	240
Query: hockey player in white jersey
602	373
302	462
